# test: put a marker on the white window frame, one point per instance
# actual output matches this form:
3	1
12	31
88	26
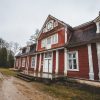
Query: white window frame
53	37
23	62
43	43
77	62
52	22
50	40
27	49
32	62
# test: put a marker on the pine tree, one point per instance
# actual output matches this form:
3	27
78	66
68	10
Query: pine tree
3	57
11	59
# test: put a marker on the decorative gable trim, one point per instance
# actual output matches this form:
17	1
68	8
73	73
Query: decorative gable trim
56	20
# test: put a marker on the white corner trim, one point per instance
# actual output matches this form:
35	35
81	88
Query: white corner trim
91	72
57	61
35	62
65	61
98	56
40	63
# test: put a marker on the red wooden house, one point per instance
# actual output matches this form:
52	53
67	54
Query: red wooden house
66	50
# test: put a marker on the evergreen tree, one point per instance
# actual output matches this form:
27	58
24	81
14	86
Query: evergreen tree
11	59
3	57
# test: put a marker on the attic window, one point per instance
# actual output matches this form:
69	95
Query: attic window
50	25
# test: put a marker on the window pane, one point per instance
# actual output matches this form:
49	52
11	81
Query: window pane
74	55
49	40
74	64
70	64
56	38
70	55
33	61
48	55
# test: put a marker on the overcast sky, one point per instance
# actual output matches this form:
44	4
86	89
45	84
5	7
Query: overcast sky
20	18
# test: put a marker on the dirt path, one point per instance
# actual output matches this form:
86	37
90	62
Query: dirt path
12	88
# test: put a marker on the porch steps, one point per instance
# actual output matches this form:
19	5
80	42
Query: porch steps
24	77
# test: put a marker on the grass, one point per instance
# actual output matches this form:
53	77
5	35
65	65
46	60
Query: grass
67	91
70	91
7	72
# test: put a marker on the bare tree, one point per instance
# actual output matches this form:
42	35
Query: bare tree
14	46
33	38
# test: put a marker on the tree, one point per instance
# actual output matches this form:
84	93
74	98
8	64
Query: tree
3	57
34	37
7	51
11	59
14	46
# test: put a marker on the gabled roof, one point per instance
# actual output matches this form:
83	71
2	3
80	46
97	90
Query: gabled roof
50	16
84	36
83	25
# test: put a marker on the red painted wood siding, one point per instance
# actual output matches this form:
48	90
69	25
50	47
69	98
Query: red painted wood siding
38	60
61	62
30	62
95	61
83	63
42	59
54	61
61	41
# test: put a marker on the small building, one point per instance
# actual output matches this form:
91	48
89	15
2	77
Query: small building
64	50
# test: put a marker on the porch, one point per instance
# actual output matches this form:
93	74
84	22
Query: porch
40	76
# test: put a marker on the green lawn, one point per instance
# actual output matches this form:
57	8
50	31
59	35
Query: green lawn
7	72
70	91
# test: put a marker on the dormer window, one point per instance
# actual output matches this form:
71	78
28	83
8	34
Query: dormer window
28	49
98	27
50	25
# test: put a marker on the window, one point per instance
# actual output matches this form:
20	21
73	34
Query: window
73	61
23	62
27	49
49	40
48	55
43	43
50	25
55	39
33	62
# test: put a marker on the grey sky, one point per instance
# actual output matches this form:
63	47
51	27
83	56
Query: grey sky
20	18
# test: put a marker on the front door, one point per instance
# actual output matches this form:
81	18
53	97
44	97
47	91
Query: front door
47	67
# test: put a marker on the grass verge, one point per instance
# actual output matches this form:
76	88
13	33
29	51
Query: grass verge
7	72
70	91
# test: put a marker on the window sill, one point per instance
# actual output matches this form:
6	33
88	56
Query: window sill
73	70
